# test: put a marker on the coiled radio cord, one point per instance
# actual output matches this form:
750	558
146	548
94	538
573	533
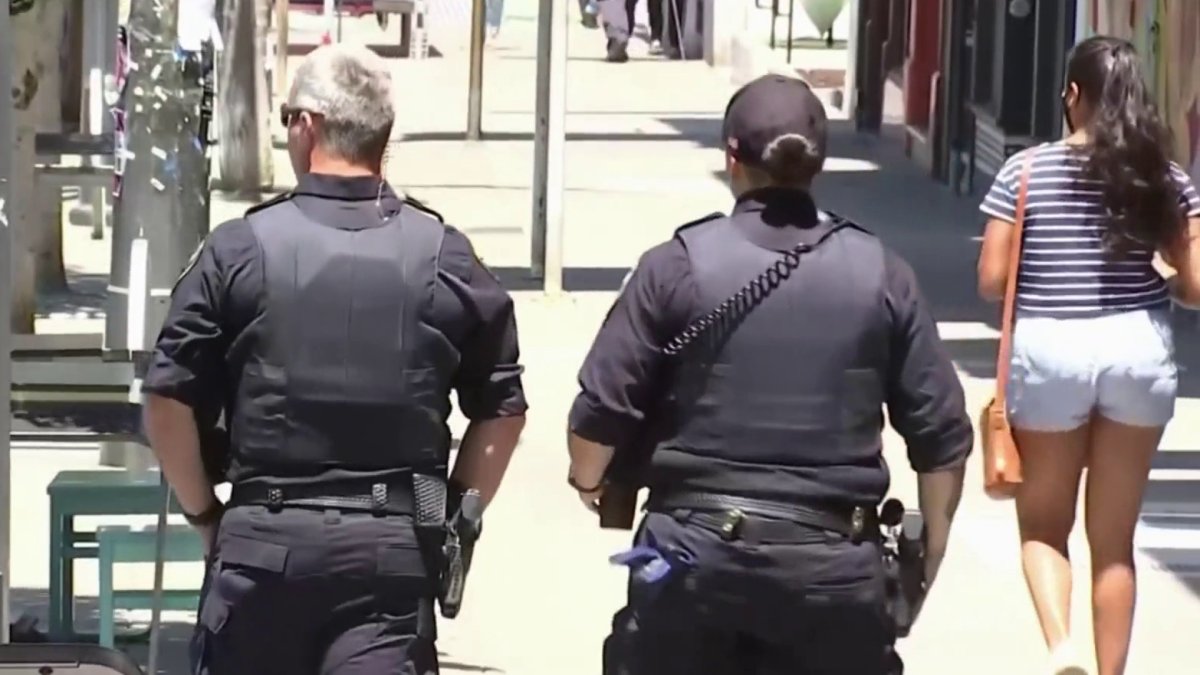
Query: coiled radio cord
739	304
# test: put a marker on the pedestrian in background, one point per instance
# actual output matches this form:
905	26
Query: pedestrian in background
1093	375
618	17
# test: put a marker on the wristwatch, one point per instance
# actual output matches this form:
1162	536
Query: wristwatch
207	517
580	488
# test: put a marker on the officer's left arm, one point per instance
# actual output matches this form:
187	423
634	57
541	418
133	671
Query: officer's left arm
620	377
183	376
488	380
926	406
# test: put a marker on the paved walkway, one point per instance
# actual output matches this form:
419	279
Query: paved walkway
642	159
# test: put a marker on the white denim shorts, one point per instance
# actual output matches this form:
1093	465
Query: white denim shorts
1121	366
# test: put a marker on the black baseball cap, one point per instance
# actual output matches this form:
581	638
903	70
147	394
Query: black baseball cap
769	107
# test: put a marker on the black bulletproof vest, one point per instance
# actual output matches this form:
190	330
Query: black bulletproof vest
344	372
786	403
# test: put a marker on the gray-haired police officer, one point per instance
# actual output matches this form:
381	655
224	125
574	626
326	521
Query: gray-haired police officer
330	326
761	550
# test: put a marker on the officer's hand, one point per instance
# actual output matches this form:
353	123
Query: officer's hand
208	534
592	499
933	562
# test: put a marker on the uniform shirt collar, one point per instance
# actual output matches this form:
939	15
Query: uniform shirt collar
779	207
349	188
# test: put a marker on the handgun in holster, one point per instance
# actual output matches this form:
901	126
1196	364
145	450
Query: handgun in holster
214	444
448	523
625	476
903	563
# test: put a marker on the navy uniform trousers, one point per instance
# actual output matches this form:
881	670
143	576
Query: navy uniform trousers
813	606
307	592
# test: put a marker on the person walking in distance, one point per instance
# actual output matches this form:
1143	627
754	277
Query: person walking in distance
618	17
1099	205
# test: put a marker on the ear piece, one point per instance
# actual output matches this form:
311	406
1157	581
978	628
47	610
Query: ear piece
387	151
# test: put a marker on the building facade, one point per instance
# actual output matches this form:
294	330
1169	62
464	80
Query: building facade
1167	34
981	79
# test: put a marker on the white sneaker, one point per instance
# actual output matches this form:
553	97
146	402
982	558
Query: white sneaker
1064	661
656	47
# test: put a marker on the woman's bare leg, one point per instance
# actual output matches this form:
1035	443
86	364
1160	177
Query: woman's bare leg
1118	468
1052	463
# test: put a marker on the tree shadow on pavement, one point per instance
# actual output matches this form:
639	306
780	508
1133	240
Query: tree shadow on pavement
86	295
575	279
688	130
448	665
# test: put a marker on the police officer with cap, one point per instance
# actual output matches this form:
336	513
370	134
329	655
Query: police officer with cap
330	325
758	350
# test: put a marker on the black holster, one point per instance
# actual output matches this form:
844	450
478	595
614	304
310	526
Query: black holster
903	565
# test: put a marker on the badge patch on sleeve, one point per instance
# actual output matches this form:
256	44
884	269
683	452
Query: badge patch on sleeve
484	266
190	264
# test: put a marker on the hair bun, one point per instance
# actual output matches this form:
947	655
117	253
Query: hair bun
792	158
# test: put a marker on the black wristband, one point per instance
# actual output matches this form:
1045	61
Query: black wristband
580	488
206	517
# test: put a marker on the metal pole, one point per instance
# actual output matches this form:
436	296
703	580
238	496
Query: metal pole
282	39
328	10
549	142
97	44
475	88
7	139
162	212
791	28
156	605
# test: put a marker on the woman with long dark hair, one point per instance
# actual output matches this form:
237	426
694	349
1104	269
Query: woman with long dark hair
1093	377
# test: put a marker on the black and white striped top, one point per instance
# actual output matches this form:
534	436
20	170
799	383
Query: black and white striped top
1065	269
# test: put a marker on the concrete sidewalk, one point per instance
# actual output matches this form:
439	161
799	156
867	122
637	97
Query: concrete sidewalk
643	158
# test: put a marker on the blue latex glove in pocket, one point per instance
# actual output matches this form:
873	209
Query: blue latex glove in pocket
651	566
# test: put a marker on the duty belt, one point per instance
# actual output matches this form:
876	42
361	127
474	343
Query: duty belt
729	515
382	498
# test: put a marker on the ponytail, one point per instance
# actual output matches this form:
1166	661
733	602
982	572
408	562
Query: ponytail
1127	150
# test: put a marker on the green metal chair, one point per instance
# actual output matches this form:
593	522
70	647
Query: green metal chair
90	493
122	544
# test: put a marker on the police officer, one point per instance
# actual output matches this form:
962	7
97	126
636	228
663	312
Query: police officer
760	551
330	324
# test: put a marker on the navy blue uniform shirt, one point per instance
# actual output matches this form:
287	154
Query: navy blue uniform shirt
624	371
197	359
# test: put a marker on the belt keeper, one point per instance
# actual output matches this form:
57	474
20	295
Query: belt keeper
732	522
858	524
274	499
379	499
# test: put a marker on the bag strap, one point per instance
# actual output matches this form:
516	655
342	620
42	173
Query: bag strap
1004	354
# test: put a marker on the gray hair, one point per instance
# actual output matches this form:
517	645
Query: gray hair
351	88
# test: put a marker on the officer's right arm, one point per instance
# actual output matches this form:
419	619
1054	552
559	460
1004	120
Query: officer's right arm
927	407
621	377
184	373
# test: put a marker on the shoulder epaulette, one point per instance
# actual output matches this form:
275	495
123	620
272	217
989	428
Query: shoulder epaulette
710	217
841	222
418	205
278	199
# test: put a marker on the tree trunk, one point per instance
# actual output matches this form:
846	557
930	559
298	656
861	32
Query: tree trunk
37	31
243	140
71	54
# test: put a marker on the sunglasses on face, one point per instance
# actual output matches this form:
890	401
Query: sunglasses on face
287	114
